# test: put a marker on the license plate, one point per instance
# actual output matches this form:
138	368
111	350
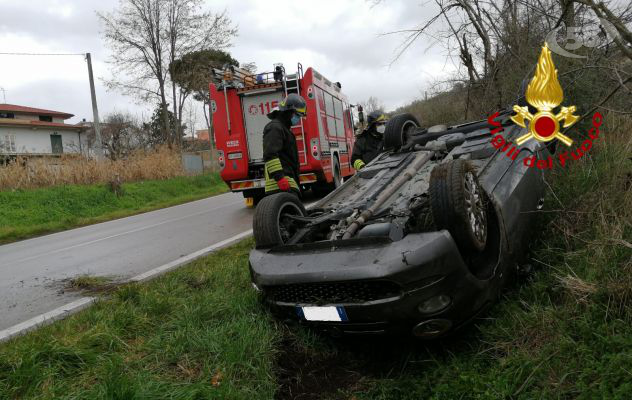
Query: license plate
329	313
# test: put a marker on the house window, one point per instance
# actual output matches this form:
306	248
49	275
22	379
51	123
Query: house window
46	118
56	144
7	144
7	115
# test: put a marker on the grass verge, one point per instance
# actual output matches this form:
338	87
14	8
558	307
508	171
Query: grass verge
32	212
195	333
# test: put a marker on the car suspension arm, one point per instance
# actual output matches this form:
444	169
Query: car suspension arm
418	162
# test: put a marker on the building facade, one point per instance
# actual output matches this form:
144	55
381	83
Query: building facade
38	132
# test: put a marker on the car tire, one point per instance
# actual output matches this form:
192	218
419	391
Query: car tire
458	204
396	131
269	226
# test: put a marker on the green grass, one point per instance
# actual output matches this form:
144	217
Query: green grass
27	213
196	333
564	332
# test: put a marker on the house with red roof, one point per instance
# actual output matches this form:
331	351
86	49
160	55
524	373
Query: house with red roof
35	131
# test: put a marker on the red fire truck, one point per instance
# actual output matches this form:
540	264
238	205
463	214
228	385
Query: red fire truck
240	102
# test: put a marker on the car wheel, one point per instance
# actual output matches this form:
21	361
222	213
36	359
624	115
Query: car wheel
458	204
271	225
397	129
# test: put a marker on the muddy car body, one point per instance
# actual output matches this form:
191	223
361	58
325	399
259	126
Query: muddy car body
420	240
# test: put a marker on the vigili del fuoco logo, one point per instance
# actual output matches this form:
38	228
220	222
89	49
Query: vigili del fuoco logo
544	93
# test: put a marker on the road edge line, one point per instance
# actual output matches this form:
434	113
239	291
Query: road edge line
152	273
84	302
46	318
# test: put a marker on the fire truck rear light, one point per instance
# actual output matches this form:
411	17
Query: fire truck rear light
234	156
315	144
220	159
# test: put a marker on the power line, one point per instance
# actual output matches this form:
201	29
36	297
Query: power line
43	54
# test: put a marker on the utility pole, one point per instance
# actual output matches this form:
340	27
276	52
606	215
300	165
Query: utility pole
95	112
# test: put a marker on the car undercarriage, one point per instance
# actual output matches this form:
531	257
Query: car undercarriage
420	240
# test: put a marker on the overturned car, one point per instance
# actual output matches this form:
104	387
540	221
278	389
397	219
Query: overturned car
420	240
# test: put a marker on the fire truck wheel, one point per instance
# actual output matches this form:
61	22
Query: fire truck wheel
397	129
321	189
256	194
271	224
337	180
458	204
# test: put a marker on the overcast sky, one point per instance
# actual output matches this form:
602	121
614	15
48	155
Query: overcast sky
344	40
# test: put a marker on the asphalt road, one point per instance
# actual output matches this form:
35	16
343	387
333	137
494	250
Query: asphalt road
34	272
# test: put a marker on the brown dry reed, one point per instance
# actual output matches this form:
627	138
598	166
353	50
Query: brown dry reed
30	173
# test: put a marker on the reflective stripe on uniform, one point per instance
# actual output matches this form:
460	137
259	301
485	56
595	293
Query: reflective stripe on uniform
358	164
272	185
273	166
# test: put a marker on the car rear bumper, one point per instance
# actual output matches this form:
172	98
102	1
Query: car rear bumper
382	285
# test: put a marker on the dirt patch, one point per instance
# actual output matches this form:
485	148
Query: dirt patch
90	284
309	375
349	365
341	367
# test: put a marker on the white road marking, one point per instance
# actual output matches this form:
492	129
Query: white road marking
46	318
188	258
120	234
78	305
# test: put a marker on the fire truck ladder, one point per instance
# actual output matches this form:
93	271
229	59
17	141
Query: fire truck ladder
292	84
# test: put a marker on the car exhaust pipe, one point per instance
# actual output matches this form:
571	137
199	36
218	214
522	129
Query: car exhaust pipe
418	162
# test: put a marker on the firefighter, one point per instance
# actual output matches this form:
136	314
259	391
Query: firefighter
279	146
370	142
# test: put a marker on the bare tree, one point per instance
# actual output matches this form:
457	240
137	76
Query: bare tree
122	134
372	104
191	29
494	45
623	36
145	36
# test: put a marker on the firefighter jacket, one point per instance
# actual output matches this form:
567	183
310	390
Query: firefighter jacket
367	146
280	155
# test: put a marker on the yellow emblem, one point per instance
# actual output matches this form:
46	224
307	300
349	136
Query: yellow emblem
545	93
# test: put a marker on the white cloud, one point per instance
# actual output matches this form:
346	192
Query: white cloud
342	40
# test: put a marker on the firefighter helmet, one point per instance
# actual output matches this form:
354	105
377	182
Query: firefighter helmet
293	102
375	117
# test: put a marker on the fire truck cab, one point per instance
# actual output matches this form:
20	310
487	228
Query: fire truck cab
240	102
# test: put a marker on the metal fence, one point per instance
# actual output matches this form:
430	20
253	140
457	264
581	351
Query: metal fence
197	162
